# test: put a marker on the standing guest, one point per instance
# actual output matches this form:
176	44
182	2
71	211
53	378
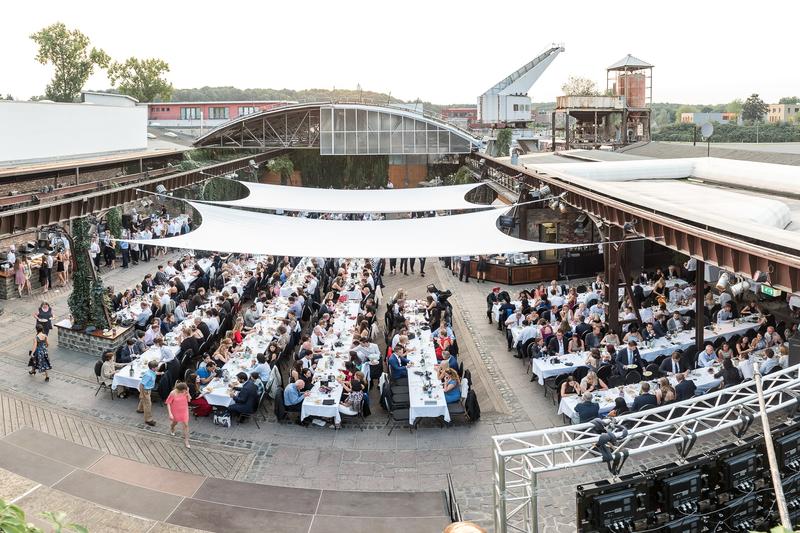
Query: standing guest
178	410
40	361
463	273
44	316
146	385
45	272
483	266
61	273
19	276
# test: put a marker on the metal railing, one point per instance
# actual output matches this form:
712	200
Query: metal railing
520	457
452	503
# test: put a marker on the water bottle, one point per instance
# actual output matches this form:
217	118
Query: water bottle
131	369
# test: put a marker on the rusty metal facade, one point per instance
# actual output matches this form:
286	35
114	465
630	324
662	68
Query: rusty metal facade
730	252
61	211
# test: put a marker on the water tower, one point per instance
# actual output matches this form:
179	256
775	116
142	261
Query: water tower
632	78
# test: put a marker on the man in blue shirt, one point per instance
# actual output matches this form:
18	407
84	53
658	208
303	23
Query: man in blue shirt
707	357
293	397
124	247
146	385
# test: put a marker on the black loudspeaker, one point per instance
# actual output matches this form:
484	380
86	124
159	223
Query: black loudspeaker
127	221
794	349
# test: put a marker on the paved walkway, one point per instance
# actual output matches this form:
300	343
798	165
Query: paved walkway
41	471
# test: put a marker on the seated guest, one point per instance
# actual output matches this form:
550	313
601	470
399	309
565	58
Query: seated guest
620	407
594	339
592	383
725	351
673	364
685	388
707	357
397	363
726	313
644	398
575	344
198	403
245	400
570	386
675	324
729	374
665	393
746	366
109	368
143	318
293	396
262	368
649	332
593	359
611	338
633	334
126	352
557	345
770	362
207	372
586	410
452	386
152	333
783	357
772	337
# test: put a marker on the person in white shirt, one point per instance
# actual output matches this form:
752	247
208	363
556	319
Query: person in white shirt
746	366
152	333
170	269
556	300
724	298
94	252
11	257
529	331
676	295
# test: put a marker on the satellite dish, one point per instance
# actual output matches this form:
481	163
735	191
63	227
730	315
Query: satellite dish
707	130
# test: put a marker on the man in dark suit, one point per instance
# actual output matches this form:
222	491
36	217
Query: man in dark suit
189	343
644	398
491	299
673	364
586	410
558	344
628	356
125	352
245	400
685	388
161	276
203	327
147	283
249	292
638	294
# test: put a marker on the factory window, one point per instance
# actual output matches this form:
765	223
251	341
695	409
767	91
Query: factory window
190	113
247	110
516	107
216	113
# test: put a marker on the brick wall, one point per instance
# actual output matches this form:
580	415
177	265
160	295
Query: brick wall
92	345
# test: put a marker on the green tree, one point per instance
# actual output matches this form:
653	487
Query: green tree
142	79
87	300
503	142
282	166
754	109
789	100
9	97
579	86
69	53
114	221
734	106
12	520
462	176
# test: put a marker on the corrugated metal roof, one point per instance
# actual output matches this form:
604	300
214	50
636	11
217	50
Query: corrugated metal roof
629	61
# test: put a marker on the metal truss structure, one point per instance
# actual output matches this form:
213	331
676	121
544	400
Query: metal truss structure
342	129
520	457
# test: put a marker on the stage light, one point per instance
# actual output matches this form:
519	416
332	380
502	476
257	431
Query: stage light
740	288
629	227
760	277
723	282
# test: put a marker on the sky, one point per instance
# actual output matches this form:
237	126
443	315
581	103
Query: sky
441	51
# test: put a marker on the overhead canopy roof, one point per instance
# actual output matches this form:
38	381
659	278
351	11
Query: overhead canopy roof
756	200
235	230
629	62
263	196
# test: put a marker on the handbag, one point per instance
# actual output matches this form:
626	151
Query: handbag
31	359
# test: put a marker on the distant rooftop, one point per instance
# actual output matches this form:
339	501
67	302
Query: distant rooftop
629	62
210	102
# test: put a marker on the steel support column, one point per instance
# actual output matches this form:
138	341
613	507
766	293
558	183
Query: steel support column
699	303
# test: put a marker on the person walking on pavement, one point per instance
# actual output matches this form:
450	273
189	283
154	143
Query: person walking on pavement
146	385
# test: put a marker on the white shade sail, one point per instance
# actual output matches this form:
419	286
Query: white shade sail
264	196
235	230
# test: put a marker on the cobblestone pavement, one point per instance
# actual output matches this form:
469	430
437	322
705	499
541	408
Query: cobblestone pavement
289	455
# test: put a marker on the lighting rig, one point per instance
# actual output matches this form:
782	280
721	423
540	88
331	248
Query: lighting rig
725	490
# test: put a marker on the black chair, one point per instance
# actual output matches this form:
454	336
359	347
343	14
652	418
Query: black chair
604	374
98	371
580	372
553	385
457	409
632	377
615	381
254	414
660	359
654	370
397	415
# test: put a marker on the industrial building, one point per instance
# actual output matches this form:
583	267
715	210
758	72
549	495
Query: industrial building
618	119
193	117
783	113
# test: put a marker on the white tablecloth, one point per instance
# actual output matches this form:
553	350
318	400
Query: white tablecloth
123	376
703	379
423	404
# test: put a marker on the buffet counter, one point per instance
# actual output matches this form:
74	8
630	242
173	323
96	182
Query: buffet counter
517	274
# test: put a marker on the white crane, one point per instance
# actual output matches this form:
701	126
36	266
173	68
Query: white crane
508	102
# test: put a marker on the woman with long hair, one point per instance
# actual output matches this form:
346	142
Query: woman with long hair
664	393
452	386
40	360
